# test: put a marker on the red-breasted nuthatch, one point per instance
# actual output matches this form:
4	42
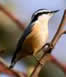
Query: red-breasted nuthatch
34	36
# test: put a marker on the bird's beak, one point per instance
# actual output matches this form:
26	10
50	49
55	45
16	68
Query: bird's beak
51	13
55	11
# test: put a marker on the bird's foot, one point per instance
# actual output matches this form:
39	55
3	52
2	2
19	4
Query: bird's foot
48	45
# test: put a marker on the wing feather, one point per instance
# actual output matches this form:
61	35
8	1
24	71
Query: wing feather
27	31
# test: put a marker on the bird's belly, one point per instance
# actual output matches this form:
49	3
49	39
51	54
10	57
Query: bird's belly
35	42
38	41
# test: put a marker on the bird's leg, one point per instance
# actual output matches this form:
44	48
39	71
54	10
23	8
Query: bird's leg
47	45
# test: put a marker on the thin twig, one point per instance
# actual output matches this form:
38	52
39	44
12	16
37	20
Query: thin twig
64	32
59	31
40	64
21	25
53	42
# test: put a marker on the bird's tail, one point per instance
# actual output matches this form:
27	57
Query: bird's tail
12	65
13	62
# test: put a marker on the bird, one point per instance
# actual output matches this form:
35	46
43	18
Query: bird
34	36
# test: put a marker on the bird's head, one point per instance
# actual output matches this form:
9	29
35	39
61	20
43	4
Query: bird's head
43	14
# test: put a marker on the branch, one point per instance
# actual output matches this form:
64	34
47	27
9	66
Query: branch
53	42
40	64
21	25
4	69
60	30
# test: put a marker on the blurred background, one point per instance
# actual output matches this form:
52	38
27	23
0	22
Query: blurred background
10	33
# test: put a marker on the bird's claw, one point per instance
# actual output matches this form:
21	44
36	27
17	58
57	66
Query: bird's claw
48	45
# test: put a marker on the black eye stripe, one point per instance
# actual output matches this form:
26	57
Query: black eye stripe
35	17
39	12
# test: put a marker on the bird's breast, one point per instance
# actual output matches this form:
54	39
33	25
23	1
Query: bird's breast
36	39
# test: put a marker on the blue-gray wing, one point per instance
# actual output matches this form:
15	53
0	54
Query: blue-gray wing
27	31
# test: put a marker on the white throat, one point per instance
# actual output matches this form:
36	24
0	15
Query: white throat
43	21
44	18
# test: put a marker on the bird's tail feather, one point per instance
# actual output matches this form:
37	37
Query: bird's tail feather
13	62
12	65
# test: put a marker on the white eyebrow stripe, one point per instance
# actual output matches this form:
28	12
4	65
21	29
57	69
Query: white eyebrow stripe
42	11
